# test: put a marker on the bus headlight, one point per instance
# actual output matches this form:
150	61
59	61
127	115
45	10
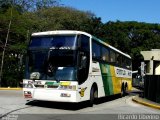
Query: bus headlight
28	85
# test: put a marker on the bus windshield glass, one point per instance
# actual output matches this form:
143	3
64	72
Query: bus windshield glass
53	58
54	42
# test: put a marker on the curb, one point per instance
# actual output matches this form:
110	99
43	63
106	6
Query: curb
140	101
11	88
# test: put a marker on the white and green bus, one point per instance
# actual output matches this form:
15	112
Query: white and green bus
74	66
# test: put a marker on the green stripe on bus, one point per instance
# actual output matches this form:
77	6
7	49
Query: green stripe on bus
107	79
52	83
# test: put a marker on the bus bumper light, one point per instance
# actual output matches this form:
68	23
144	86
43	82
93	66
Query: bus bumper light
65	95
27	94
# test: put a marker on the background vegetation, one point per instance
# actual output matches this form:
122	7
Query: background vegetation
43	15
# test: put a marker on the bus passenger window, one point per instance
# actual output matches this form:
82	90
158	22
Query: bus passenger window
128	64
113	56
124	62
96	50
118	59
105	54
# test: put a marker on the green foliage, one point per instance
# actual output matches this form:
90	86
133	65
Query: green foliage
13	71
57	18
132	37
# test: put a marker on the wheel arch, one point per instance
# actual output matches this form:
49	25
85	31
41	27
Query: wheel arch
95	86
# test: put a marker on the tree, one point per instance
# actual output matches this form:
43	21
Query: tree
14	36
132	37
58	18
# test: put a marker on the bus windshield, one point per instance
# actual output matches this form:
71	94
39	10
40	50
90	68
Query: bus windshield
54	58
54	42
53	65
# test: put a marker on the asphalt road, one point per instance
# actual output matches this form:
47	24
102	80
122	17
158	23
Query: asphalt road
15	106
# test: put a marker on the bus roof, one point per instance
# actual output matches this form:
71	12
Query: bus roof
60	32
71	32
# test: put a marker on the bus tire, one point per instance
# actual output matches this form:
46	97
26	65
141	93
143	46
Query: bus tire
123	90
126	88
93	96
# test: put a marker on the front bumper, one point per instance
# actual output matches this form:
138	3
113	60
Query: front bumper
51	95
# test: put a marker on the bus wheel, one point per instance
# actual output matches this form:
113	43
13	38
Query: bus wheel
126	88
93	96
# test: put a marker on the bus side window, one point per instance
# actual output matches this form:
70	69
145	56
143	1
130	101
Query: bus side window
128	64
105	54
124	62
112	56
118	59
96	51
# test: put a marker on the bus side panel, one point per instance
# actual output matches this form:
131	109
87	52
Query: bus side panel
125	75
85	88
95	77
130	84
107	79
116	81
112	83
